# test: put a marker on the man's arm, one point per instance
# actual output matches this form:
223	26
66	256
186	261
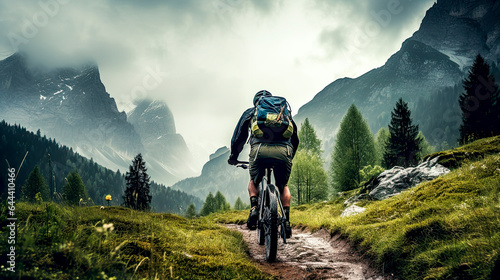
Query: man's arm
295	138
240	135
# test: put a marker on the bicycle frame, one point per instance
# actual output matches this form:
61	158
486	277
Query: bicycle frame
272	221
263	188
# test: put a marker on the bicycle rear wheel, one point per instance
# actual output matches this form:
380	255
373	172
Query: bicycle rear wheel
270	224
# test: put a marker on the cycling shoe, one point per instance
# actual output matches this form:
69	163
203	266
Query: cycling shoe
253	218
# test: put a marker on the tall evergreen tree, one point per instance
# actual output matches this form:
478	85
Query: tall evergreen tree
354	149
74	190
220	202
308	138
479	103
35	184
403	145
191	211
308	181
137	195
209	205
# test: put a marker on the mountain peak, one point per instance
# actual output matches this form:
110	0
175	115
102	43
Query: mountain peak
152	116
462	29
219	152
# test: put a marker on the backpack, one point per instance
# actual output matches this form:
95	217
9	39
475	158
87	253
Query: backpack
272	118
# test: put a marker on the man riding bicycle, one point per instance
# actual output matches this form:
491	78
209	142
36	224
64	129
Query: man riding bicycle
270	149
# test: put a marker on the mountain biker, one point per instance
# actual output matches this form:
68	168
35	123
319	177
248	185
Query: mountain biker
272	149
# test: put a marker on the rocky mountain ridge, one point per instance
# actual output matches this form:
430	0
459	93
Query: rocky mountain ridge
72	106
436	57
217	175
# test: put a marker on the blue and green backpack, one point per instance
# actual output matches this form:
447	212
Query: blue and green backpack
273	117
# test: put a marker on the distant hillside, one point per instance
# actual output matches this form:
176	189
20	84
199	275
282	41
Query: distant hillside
15	141
217	175
435	59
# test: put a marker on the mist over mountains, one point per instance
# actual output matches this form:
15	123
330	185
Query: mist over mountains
166	149
72	106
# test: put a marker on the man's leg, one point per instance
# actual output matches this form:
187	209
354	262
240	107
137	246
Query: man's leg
285	200
253	192
252	189
286	197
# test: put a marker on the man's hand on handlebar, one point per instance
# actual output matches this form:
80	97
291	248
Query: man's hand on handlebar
232	161
237	163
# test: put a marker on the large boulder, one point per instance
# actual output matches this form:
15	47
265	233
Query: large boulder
398	179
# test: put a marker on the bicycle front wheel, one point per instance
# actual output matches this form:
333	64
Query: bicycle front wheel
271	224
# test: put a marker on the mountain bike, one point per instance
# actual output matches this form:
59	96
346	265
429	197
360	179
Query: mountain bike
272	221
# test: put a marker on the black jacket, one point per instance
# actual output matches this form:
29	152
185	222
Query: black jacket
242	130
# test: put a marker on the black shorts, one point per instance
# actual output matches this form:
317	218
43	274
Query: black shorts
278	156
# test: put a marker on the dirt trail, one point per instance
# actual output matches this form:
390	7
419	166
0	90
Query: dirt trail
311	256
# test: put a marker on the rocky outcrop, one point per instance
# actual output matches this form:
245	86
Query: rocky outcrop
398	179
393	181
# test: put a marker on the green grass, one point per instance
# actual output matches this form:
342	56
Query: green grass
448	228
79	242
472	151
444	229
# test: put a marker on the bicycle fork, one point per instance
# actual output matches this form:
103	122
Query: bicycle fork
282	216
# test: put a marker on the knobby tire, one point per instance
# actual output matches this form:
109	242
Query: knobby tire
271	224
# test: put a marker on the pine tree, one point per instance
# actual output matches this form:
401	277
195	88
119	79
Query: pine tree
35	184
403	145
308	180
137	194
74	190
354	149
308	138
239	205
191	211
209	205
381	139
479	103
220	202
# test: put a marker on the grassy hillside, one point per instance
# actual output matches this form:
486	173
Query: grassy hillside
448	228
55	242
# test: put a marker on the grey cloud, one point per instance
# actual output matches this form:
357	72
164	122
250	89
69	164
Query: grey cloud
367	23
266	5
394	14
334	39
95	28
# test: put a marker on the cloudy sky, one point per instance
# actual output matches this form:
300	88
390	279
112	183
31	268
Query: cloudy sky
207	58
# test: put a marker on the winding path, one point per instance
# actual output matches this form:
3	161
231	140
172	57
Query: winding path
311	256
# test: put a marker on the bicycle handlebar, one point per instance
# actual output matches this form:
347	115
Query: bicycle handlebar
243	164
